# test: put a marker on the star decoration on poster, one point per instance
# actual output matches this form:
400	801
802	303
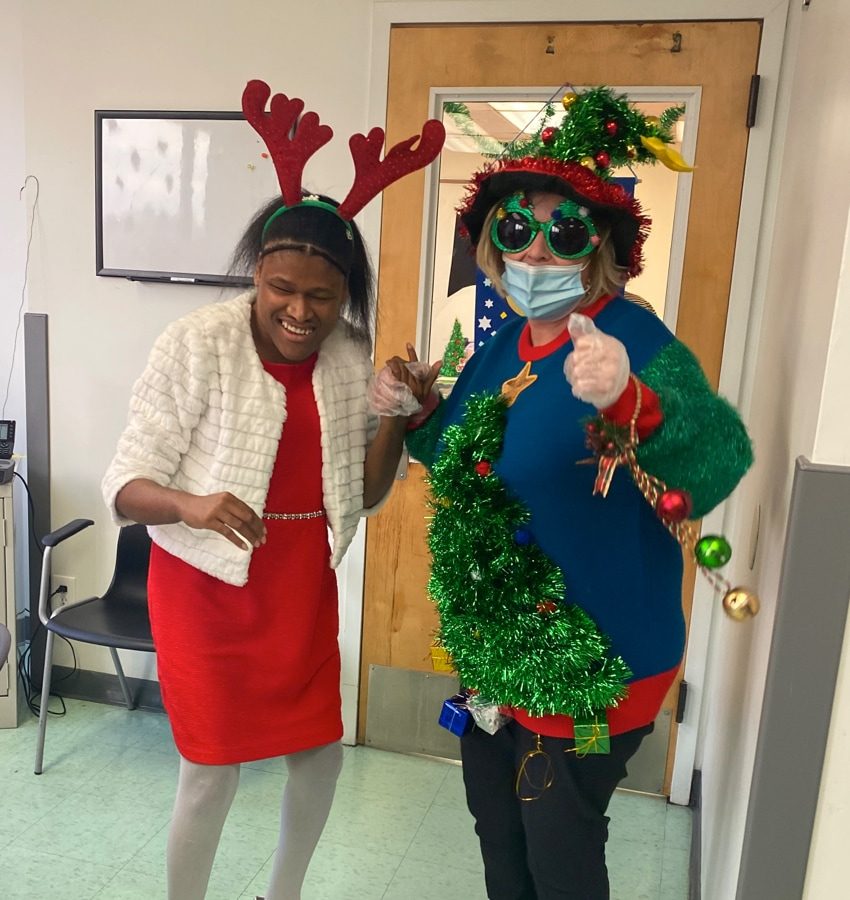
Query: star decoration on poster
491	310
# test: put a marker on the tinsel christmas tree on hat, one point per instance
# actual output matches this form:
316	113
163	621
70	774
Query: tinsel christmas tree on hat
599	129
503	616
602	131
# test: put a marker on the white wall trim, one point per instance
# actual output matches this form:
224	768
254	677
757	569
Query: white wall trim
350	585
392	12
743	326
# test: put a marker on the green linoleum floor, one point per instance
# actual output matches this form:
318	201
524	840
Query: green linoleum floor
94	824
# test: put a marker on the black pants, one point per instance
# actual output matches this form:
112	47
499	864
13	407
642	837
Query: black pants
552	847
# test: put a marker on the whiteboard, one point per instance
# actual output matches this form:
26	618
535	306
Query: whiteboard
175	192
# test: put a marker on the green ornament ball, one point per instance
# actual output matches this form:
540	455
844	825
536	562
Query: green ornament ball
713	551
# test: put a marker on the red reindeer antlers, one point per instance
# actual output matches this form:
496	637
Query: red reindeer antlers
291	141
371	175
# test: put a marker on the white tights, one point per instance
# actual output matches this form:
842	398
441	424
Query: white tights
204	796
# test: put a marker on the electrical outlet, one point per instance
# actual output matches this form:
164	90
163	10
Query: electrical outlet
69	595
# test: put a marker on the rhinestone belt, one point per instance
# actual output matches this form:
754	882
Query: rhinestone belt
294	516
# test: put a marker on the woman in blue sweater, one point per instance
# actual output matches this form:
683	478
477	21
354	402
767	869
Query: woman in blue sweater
601	645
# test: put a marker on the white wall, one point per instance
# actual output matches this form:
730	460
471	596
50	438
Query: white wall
14	214
792	408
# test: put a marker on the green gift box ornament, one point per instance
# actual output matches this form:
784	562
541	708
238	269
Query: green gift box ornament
591	734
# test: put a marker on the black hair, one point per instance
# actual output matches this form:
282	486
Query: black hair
312	229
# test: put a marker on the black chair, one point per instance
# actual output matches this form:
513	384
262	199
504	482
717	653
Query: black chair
118	620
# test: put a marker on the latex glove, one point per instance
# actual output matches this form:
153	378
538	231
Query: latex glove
388	396
598	367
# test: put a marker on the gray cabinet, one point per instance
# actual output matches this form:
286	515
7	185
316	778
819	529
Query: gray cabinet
10	690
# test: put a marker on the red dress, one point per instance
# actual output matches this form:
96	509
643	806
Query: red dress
253	672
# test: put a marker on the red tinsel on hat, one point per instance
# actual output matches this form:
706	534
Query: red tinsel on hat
604	198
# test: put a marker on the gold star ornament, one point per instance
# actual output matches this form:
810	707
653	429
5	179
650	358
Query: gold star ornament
513	387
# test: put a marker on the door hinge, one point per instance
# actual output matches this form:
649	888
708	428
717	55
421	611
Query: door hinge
682	702
752	104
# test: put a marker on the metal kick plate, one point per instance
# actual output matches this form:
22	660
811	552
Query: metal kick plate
403	710
404	707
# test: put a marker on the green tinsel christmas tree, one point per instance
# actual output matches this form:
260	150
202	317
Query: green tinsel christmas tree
453	354
503	617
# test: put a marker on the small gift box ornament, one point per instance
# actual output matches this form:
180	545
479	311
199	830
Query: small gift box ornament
591	734
455	717
441	660
487	716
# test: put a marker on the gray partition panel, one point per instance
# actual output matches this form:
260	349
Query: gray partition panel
38	456
805	653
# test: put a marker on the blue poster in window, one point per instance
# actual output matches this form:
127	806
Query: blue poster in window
491	310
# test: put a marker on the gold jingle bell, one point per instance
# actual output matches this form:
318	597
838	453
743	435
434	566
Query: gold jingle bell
568	99
741	604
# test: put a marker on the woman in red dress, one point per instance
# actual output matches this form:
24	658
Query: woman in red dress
255	432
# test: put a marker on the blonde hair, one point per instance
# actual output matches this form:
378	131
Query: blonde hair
603	276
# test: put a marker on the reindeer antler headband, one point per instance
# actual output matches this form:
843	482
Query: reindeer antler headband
292	139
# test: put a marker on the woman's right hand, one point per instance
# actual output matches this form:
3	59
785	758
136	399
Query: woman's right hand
598	367
148	503
402	387
418	376
226	515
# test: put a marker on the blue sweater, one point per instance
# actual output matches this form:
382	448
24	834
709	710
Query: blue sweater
619	562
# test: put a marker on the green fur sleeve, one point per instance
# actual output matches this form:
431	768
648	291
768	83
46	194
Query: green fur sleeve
422	441
702	445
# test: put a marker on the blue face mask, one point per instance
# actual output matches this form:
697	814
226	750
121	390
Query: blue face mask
543	292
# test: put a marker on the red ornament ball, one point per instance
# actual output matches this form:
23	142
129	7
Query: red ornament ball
674	505
611	127
483	468
548	135
546	607
603	159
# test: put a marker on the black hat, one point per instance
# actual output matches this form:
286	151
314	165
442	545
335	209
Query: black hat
606	201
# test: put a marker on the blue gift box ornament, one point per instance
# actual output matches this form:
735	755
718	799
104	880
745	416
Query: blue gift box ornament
455	717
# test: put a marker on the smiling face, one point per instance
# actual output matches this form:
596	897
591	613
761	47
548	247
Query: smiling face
299	300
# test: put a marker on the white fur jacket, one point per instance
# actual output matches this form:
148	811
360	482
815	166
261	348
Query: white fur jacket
206	417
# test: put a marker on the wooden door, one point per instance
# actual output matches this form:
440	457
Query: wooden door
720	57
